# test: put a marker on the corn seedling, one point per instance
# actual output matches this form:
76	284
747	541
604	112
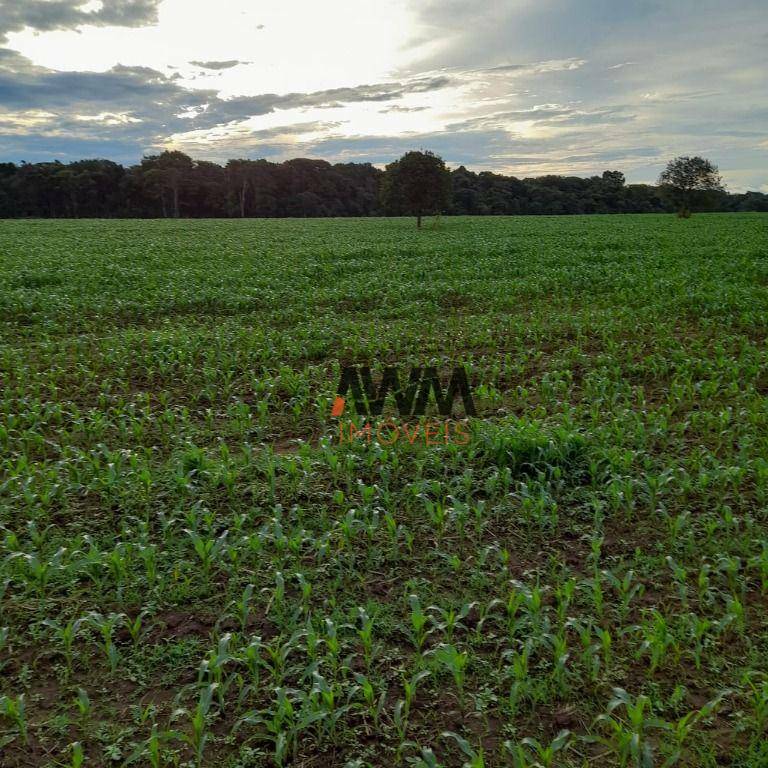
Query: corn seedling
15	710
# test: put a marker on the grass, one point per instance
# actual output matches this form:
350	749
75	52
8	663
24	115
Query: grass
193	570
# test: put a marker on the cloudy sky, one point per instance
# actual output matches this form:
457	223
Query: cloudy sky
517	86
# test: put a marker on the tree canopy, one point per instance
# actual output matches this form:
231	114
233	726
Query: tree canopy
418	184
173	184
685	177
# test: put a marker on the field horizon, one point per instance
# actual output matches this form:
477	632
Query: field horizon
428	218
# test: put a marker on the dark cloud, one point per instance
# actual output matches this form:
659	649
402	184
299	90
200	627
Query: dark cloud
244	142
221	111
400	108
492	150
534	68
68	148
379	92
49	15
506	68
139	90
547	114
147	93
218	64
145	106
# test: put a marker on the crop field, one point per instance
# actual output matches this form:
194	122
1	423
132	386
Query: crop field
200	565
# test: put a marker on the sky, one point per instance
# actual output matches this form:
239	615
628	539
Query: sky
521	87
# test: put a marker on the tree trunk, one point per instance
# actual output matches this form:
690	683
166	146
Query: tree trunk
684	211
418	221
175	202
242	199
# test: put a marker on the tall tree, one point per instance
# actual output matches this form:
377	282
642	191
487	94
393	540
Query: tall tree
169	172
686	178
238	181
418	184
9	206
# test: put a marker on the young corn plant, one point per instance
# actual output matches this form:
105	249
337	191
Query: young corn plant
5	585
449	620
737	614
455	662
757	696
658	640
425	759
531	753
276	659
597	596
590	648
680	577
305	587
119	561
626	589
606	644
83	704
374	705
151	749
209	550
212	668
627	738
251	657
14	708
148	556
327	697
332	643
136	628
77	755
276	601
474	757
39	571
198	735
418	620
4	634
514	619
242	607
759	562
402	709
284	720
680	730
560	655
698	629
106	626
534	610
564	594
521	681
365	625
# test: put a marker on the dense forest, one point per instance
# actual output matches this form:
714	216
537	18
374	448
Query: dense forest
173	185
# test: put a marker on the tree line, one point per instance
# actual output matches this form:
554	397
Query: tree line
173	185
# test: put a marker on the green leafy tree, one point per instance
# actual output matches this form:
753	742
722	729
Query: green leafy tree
418	184
168	173
687	179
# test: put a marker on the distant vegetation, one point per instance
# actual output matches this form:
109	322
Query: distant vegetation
173	185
